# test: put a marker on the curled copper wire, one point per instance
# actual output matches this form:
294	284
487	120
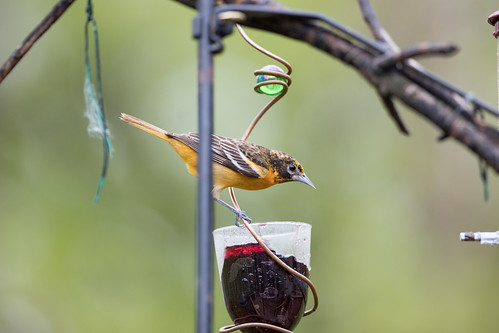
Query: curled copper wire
284	75
286	83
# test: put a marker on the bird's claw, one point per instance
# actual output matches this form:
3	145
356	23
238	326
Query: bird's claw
241	215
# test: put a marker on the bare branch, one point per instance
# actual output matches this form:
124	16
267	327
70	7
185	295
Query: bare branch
393	113
379	33
420	50
40	29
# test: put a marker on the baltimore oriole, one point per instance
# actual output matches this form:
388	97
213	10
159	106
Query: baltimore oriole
236	163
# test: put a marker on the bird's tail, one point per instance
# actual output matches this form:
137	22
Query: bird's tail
145	126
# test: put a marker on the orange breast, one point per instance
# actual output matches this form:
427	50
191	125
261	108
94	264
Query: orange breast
224	177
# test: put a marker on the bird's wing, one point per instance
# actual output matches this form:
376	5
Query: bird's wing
227	152
236	153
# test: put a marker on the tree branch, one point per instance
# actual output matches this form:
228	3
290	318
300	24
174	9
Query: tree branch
379	33
424	49
447	107
27	43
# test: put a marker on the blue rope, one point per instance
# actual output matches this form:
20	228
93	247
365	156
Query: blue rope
482	164
93	99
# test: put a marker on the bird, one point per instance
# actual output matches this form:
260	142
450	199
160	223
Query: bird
235	163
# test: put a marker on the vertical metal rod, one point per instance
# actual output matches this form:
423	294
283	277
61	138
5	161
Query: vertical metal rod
205	201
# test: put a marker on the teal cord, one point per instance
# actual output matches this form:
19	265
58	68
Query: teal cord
483	176
482	164
94	100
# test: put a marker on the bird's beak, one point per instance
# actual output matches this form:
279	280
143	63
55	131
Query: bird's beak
304	179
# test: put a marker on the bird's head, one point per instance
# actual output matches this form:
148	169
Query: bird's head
287	169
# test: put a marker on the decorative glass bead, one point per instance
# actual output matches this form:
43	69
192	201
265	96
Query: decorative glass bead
273	88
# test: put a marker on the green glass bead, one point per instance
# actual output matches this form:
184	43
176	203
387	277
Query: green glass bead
270	89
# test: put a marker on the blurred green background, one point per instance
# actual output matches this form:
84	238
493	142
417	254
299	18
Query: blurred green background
386	214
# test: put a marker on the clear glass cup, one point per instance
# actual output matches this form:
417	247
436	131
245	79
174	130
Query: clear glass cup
255	287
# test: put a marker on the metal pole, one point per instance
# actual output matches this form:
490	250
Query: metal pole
205	201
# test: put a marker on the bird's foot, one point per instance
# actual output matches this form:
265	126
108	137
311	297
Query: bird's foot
241	215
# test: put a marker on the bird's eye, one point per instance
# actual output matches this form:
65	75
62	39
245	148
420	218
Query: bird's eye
291	168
